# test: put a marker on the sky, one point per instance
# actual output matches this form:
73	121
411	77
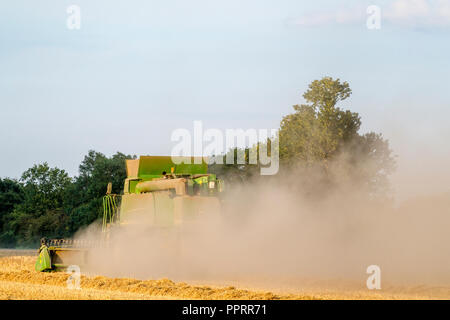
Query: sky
137	70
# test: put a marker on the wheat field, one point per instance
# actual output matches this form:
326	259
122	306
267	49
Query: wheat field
18	280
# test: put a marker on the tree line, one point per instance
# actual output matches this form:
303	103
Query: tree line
47	202
319	136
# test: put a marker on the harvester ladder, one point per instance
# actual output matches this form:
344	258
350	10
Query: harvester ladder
110	209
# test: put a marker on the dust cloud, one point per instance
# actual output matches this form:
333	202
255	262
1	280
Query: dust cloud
272	232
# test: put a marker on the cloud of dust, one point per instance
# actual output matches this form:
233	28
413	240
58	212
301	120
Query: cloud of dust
272	232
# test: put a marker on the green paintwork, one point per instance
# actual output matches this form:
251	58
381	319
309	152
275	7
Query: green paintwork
43	262
110	210
153	166
133	184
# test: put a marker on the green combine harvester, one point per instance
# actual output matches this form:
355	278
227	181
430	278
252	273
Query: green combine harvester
157	193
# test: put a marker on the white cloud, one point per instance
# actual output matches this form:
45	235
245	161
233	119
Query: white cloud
419	12
410	13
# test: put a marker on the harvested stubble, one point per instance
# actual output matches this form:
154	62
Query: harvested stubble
20	270
18	280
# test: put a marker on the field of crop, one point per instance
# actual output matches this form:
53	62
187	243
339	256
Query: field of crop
18	280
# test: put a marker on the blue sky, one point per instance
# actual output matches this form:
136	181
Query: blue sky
137	70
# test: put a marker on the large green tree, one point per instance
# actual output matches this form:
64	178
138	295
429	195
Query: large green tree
317	129
321	134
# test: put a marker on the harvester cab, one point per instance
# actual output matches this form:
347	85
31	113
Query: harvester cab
159	192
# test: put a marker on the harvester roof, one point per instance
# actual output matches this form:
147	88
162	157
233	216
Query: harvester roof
147	167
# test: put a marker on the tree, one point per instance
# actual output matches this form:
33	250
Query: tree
319	132
317	129
44	187
46	202
39	213
11	194
84	199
